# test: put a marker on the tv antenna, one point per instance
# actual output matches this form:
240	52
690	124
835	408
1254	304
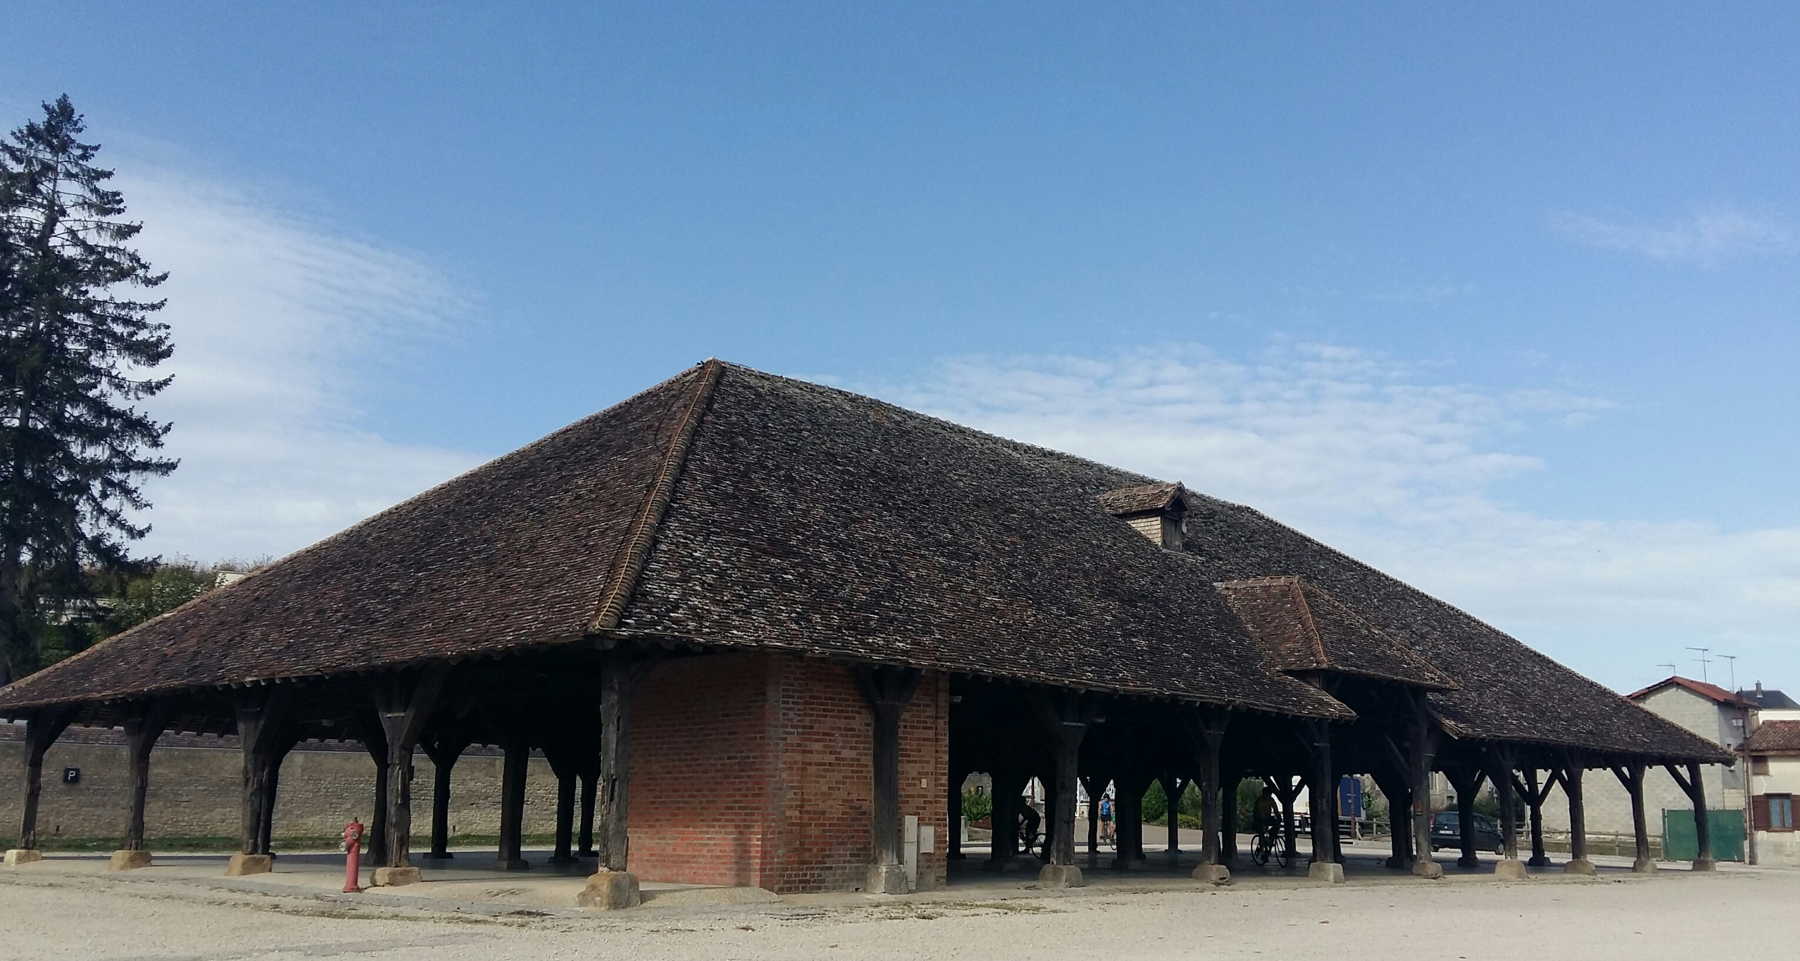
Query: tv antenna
1731	661
1671	668
1703	659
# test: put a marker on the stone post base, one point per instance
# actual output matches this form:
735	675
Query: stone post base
512	864
128	860
242	864
610	891
395	877
1581	866
1398	864
1060	876
1705	864
1468	861
1215	873
886	879
1132	863
18	856
1537	861
1329	872
1510	869
1427	869
1643	866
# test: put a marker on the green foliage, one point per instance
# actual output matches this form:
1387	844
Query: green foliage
163	589
76	351
1156	804
976	805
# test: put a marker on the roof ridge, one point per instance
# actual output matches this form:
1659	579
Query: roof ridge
630	564
1312	624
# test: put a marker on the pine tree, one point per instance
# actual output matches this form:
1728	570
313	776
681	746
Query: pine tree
76	351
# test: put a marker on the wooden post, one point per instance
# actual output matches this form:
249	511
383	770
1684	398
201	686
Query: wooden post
142	727
404	703
1500	773
1571	779
1695	788
1468	784
1398	800
1631	776
1206	731
613	886
1423	758
590	783
1228	827
1290	821
517	747
262	715
887	691
445	749
1095	785
41	731
1324	866
1172	789
954	823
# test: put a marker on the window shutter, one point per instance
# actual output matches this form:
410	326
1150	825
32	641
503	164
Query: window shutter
1759	813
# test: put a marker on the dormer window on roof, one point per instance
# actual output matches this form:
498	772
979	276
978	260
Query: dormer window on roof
1157	511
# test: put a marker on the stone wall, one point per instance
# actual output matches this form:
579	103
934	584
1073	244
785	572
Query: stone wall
195	790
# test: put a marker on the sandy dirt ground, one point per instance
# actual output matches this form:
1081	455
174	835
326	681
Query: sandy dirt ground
1669	915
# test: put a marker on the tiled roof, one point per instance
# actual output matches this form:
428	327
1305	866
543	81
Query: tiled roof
1711	692
1141	498
1768	697
1772	737
1305	628
738	509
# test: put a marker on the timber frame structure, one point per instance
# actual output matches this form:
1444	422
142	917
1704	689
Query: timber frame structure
927	598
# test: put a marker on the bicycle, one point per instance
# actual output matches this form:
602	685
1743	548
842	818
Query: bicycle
1269	843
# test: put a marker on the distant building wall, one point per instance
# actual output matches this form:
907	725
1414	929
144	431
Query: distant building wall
1778	847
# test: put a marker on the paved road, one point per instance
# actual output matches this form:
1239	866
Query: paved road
1673	915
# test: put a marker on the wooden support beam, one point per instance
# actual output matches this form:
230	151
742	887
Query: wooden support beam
1228	818
1631	776
558	752
1096	786
1467	782
1319	782
517	748
1501	762
1423	757
1207	734
143	725
404	703
1574	766
887	690
590	789
444	748
621	673
41	730
1695	787
262	715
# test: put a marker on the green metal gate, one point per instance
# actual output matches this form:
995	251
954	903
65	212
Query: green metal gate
1680	843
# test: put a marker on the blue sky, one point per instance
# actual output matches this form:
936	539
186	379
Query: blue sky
1502	301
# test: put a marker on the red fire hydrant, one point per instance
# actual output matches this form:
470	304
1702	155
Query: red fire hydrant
353	833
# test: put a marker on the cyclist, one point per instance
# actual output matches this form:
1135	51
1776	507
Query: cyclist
1106	817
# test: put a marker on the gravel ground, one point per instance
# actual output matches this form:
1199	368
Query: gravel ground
1673	915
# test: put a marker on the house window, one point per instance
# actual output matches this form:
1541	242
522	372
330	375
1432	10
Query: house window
1781	812
1759	764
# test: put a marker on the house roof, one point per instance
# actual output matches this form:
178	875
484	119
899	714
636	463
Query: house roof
1305	628
1711	692
1774	737
737	509
1768	697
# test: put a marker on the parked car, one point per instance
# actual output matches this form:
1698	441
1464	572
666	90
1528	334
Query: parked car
1446	832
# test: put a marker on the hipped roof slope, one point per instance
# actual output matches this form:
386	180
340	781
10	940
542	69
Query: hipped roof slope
731	508
1305	628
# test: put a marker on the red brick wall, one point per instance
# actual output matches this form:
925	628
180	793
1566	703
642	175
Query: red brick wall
756	769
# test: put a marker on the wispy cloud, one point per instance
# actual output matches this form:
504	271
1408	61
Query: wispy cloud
278	323
1401	467
1708	237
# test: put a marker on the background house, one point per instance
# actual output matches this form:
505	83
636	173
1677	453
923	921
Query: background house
1772	754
